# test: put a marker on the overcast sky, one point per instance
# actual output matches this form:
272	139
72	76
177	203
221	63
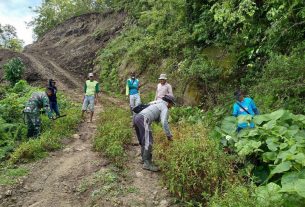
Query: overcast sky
16	13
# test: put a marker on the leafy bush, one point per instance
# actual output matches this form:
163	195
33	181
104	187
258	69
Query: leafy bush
13	70
13	142
277	143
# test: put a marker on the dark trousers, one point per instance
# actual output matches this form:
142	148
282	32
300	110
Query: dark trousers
54	107
144	135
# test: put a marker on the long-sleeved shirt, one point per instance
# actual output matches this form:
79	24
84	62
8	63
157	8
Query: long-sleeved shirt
156	111
163	90
241	114
38	101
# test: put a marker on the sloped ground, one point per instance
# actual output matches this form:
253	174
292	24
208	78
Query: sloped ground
72	46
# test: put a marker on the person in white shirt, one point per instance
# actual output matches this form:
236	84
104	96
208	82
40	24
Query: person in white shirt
163	88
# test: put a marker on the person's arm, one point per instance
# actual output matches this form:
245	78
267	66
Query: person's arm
46	105
254	108
97	90
85	87
170	90
235	110
127	88
164	122
156	96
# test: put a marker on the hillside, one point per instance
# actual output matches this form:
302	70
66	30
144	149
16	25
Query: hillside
71	47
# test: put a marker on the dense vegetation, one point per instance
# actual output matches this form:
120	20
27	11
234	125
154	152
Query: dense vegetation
15	147
219	46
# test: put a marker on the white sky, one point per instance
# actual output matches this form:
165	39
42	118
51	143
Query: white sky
16	13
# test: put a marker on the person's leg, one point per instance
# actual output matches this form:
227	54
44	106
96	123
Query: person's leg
131	103
137	100
139	123
51	106
30	125
91	107
85	106
37	125
147	153
56	110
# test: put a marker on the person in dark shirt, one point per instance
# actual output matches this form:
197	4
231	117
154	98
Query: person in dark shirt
53	98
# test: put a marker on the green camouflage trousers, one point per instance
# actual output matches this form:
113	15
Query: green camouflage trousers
34	123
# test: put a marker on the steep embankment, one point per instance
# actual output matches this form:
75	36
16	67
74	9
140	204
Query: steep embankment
71	46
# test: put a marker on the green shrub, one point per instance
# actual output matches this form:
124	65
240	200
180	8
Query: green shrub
277	146
26	151
13	142
13	70
194	168
236	195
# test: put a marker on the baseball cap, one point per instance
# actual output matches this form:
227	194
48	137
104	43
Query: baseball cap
169	99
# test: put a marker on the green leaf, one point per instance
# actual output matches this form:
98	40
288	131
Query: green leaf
283	146
259	119
288	181
285	155
269	192
300	187
299	158
277	114
245	147
271	144
269	156
283	167
270	125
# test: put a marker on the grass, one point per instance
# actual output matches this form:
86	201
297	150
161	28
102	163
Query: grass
114	133
50	139
9	176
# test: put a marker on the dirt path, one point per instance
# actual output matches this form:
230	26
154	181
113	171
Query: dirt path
57	180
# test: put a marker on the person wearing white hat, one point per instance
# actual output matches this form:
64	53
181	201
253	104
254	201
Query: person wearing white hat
91	90
163	88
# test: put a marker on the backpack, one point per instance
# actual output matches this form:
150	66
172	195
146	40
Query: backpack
139	108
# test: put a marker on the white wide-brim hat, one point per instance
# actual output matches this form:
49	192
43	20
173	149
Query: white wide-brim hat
163	77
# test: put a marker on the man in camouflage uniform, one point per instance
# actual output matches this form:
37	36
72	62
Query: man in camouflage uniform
32	109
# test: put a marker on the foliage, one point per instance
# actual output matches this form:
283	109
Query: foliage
194	168
277	142
236	195
13	142
8	38
113	134
53	12
8	176
13	70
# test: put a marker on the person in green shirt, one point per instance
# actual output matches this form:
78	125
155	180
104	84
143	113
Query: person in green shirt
91	90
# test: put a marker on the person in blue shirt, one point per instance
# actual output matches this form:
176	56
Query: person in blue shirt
244	109
132	89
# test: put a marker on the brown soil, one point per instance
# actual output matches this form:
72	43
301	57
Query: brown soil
66	54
